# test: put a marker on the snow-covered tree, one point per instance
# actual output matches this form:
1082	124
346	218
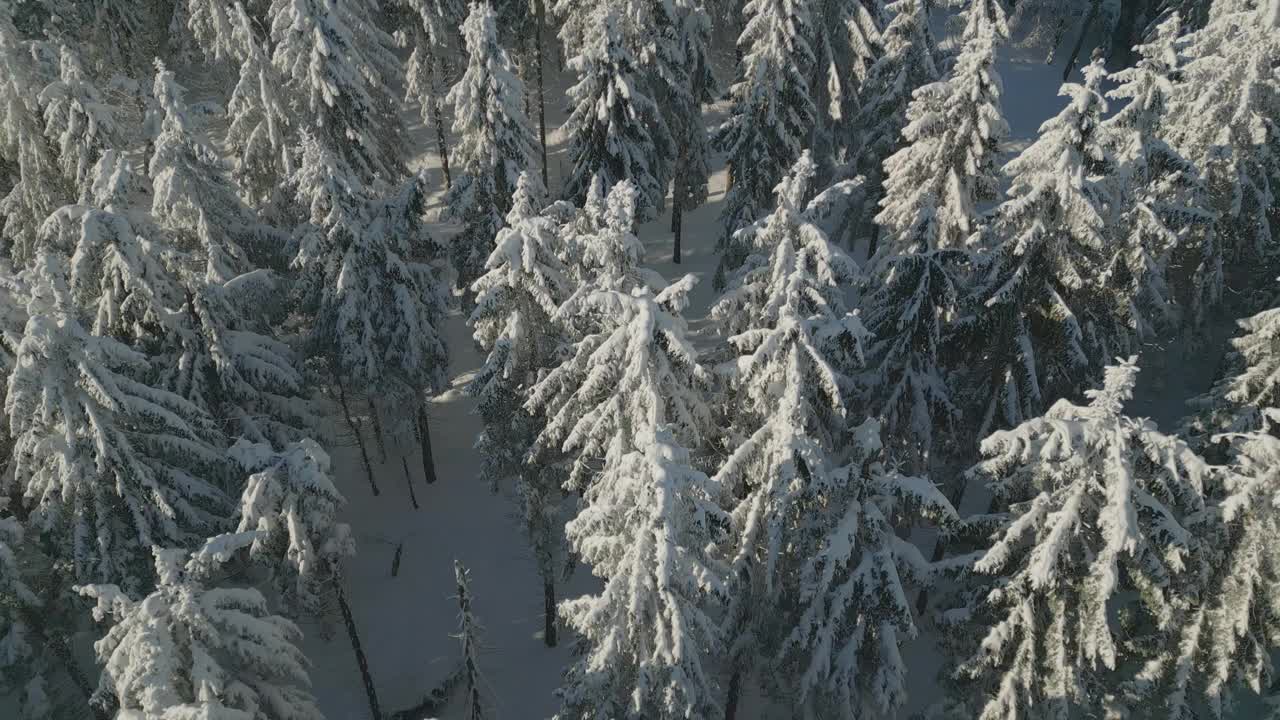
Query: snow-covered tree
17	601
614	132
1222	119
846	43
1039	321
1168	252
1045	23
192	198
108	465
905	64
594	399
258	117
337	65
771	117
426	71
682	101
190	650
1095	546
26	158
646	528
289	501
1246	400
790	293
930	217
495	143
78	120
516	299
477	706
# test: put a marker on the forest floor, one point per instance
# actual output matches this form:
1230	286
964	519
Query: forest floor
407	621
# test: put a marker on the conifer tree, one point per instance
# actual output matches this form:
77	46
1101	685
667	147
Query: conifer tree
613	132
1098	527
259	132
930	217
772	114
190	650
426	72
694	87
1221	118
477	706
906	63
1245	400
1038	309
77	119
495	143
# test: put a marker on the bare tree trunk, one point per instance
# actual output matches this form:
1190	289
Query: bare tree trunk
395	560
442	145
549	611
735	689
541	11
349	620
1084	32
424	439
376	418
408	480
364	452
677	220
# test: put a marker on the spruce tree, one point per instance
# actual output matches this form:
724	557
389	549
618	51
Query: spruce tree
495	143
771	116
613	133
191	650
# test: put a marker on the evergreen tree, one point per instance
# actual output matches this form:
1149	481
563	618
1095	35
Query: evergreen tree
1245	399
1222	119
846	43
1096	528
258	134
469	633
337	64
290	505
426	72
613	128
17	602
771	117
189	650
108	465
930	218
78	120
693	87
1168	253
648	521
1035	325
495	143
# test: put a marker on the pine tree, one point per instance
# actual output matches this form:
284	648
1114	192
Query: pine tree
477	706
190	650
613	132
1036	321
17	602
594	399
1246	398
425	75
1168	254
495	143
290	503
846	43
78	120
693	87
1222	120
648	521
337	64
107	465
771	117
258	134
906	63
38	187
1096	528
930	218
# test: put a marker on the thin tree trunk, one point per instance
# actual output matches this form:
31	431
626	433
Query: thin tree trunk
677	220
442	145
549	612
408	480
424	439
364	452
377	431
956	496
395	560
1084	32
349	620
874	241
735	689
541	11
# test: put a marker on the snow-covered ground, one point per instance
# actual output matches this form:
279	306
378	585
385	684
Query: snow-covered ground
406	622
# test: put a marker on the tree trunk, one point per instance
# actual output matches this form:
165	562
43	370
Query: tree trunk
376	418
541	12
956	496
1084	32
395	560
874	241
735	689
549	612
408	480
364	452
1126	33
352	633
424	439
677	220
442	145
